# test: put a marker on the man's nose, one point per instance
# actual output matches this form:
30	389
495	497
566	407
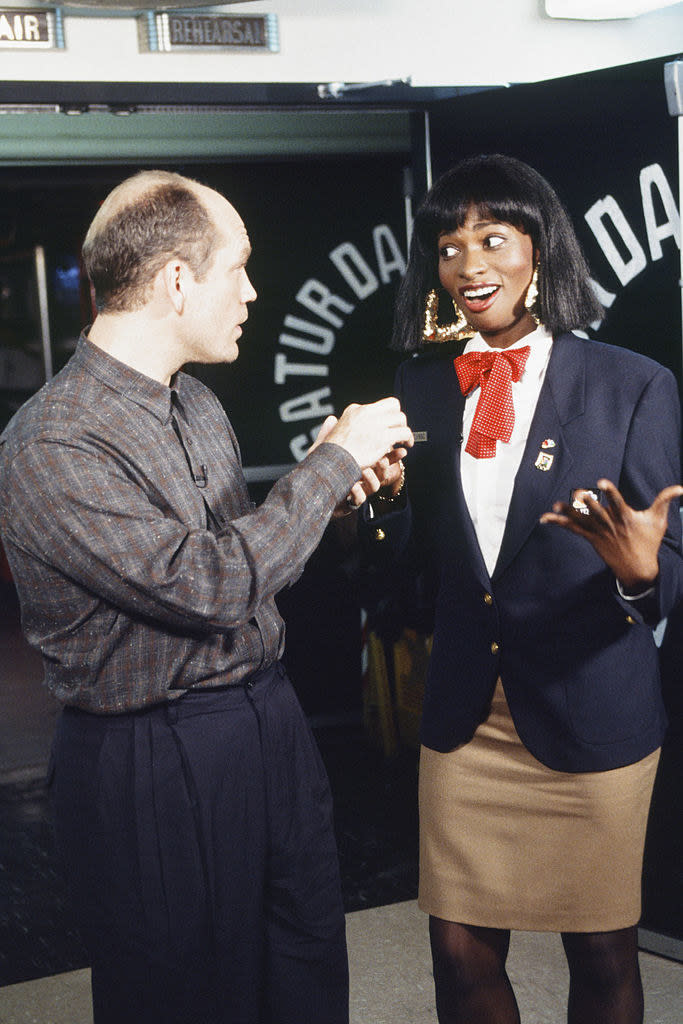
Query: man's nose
248	292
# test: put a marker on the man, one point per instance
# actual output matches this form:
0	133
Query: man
192	811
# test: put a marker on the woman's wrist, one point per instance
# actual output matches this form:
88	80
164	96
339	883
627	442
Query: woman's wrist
392	492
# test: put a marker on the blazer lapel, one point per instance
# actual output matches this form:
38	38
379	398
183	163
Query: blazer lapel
445	415
463	531
541	481
469	534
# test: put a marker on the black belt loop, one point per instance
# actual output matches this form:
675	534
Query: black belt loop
264	674
172	712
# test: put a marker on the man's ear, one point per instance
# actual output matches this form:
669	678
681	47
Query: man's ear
174	280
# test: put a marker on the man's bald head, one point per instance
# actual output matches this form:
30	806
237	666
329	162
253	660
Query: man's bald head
144	222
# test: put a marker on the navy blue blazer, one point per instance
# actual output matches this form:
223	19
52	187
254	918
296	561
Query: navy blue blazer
578	662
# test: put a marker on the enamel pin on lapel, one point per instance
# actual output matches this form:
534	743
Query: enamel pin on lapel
578	496
544	460
419	435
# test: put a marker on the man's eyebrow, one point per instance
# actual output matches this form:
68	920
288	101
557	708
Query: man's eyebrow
242	255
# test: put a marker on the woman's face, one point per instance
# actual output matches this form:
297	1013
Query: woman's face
486	267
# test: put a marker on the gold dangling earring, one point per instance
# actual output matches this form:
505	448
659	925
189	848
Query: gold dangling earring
531	302
459	330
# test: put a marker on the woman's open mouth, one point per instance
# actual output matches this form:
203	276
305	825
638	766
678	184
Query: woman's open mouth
479	298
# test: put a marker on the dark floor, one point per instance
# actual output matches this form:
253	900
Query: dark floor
375	801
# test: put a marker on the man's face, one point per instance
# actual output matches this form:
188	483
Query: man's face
216	305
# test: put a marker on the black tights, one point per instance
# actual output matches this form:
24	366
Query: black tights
604	977
472	986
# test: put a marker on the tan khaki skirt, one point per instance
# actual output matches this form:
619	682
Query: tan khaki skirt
506	842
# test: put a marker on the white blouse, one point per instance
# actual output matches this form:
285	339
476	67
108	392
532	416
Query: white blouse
488	483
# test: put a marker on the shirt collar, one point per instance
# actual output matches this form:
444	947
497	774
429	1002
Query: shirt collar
149	394
540	342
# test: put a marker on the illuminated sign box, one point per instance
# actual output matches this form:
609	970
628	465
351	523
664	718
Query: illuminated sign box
173	32
30	28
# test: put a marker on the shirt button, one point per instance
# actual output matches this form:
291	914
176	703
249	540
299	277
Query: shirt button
495	647
189	442
488	599
380	534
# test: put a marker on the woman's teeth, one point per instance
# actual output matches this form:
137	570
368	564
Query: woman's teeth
480	293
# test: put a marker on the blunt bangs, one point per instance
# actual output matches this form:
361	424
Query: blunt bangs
493	189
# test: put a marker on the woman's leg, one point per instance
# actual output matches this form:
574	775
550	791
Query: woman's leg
472	986
604	976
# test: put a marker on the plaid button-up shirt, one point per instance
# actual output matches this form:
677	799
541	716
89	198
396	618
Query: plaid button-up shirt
142	567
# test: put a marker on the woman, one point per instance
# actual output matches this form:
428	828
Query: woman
543	715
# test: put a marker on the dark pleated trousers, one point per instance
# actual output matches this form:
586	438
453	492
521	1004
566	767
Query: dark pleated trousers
197	841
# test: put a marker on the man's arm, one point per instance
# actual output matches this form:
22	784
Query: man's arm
76	509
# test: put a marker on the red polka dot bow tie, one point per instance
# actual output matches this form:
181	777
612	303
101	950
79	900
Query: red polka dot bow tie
494	416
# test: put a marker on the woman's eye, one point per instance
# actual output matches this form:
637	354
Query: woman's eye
446	252
493	241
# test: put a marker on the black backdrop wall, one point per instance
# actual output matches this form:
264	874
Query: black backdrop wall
329	249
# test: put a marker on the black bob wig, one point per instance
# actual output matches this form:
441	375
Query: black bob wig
511	192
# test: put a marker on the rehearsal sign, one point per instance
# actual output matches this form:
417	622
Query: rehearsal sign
183	32
28	28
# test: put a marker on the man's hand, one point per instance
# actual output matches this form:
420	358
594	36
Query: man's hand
628	541
368	432
378	437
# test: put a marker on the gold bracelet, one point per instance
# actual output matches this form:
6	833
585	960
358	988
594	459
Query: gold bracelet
392	497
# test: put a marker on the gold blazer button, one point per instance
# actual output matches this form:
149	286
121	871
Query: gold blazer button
488	599
495	647
379	533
